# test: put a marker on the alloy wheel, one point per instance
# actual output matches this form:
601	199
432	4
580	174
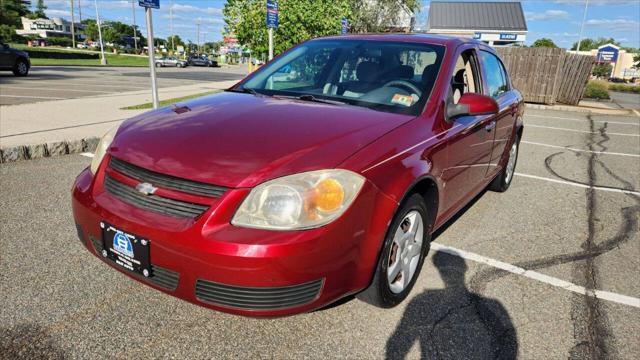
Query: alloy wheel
511	164
405	252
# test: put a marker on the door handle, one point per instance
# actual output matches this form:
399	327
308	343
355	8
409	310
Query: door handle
491	126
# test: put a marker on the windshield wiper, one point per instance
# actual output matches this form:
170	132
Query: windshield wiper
309	97
244	90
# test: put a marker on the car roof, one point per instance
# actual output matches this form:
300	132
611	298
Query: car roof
452	41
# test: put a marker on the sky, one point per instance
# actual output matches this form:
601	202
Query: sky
559	20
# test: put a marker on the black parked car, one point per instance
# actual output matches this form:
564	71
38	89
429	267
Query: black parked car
202	61
14	60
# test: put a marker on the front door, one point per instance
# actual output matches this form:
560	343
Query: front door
6	57
471	141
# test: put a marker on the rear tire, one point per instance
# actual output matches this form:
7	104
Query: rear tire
21	68
403	247
502	182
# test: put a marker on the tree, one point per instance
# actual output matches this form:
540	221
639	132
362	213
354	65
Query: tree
544	42
602	70
590	44
11	11
379	15
299	20
636	61
40	8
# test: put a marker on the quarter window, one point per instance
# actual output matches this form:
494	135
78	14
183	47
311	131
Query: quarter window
496	76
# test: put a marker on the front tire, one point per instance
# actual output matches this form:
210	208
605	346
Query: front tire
158	65
502	182
21	68
406	244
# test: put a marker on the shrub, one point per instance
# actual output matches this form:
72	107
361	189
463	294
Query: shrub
43	53
596	90
624	88
60	41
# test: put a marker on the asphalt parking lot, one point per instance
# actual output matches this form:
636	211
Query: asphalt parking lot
46	83
570	219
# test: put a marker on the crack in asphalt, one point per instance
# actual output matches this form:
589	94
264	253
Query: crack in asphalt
592	334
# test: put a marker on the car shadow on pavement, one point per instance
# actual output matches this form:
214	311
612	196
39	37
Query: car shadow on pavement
28	341
454	323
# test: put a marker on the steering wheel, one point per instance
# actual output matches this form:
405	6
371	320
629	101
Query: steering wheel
404	84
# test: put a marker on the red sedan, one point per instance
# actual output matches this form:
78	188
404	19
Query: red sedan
321	175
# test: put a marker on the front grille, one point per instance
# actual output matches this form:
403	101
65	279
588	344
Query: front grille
166	181
257	298
176	208
160	276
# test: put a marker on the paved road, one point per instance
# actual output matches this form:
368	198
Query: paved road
59	301
46	83
626	100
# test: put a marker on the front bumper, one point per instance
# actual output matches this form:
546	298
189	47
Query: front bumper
254	272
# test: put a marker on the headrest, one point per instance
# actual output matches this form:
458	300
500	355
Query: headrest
428	74
402	72
367	71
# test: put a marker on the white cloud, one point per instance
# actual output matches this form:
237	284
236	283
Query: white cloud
614	24
547	15
195	9
57	13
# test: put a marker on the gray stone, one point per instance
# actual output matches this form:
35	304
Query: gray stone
57	148
14	153
74	146
37	151
90	144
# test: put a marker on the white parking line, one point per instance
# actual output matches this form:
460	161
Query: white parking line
582	120
580	131
550	280
33	97
579	150
87	154
601	188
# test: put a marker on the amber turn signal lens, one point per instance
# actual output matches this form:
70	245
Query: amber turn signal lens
329	195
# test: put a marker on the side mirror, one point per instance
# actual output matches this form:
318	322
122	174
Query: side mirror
472	104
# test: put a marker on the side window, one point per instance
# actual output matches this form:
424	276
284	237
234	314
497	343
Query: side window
496	77
464	79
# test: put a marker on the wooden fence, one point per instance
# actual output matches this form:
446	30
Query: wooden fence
547	76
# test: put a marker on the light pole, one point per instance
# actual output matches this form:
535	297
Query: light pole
152	61
135	32
103	60
173	45
584	19
73	26
198	37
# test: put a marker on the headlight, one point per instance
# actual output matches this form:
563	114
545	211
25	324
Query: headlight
300	201
101	149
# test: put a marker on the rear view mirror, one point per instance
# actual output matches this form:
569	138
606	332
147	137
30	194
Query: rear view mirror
472	104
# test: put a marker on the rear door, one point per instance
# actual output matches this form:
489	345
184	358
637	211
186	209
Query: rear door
6	56
498	86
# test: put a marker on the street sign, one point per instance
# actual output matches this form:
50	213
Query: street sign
508	36
607	53
154	4
272	14
345	25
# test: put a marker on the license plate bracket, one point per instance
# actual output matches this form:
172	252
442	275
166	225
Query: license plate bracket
126	250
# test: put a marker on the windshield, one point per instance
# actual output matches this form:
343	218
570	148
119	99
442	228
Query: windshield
386	76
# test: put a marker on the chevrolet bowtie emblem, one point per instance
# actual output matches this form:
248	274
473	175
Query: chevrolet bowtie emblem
146	188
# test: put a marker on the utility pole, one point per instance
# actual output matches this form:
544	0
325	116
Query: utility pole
103	60
135	32
73	28
80	11
584	19
173	44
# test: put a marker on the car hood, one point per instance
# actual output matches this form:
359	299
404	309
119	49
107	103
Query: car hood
241	140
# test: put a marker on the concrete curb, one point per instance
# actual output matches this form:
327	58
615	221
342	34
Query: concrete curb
27	152
580	109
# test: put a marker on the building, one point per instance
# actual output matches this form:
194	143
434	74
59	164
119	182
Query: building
45	28
495	23
621	61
